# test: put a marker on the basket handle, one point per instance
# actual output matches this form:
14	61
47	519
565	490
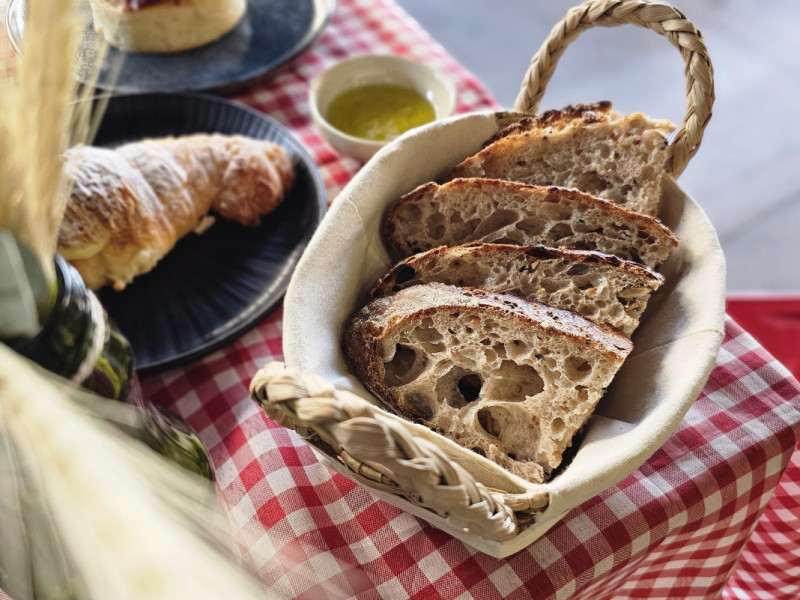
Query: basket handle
383	455
661	18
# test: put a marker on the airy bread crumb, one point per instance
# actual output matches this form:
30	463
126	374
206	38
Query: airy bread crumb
510	379
588	147
600	287
494	211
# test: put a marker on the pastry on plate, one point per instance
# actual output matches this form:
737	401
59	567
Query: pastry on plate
163	26
129	206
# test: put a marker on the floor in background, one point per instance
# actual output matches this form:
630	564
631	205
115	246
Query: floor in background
744	175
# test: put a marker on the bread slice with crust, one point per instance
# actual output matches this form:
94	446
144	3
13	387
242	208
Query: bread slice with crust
494	211
510	379
588	147
600	287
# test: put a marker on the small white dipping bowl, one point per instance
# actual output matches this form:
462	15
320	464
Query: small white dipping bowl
369	70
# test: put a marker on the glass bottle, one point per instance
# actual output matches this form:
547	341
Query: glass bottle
78	341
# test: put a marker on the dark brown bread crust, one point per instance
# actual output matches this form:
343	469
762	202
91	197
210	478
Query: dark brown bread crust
594	112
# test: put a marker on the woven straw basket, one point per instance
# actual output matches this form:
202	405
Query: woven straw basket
424	473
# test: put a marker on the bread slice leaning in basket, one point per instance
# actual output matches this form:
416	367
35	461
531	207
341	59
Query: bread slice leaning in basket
510	379
494	211
600	287
589	147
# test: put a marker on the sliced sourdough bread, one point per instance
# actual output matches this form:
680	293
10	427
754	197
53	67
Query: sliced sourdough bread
510	379
589	147
600	287
494	211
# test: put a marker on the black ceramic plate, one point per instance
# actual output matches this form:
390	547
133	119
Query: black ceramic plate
212	287
271	33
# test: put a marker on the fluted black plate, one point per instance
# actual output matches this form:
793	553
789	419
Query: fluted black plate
271	33
212	287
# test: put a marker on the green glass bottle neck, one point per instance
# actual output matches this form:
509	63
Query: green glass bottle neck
67	329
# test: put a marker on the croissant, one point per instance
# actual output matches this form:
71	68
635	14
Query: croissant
130	205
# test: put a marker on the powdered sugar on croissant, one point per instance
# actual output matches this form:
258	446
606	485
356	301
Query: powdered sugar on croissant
129	206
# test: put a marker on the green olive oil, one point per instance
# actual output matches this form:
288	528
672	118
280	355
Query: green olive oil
379	112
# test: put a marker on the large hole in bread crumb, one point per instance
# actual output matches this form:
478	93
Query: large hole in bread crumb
579	269
470	386
634	256
577	368
557	427
513	382
488	422
517	348
555	211
559	231
499	349
428	337
436	226
404	367
583	393
426	332
584	245
458	386
468	228
404	273
433	347
496	221
531	225
418	405
592	182
490	356
584	282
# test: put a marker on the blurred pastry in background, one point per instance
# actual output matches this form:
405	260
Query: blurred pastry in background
165	26
129	206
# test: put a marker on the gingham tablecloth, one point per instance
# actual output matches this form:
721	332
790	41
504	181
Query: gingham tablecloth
715	512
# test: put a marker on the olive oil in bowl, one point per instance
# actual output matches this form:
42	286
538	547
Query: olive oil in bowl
379	112
361	104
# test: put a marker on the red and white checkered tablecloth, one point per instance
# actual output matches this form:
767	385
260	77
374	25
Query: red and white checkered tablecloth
714	513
